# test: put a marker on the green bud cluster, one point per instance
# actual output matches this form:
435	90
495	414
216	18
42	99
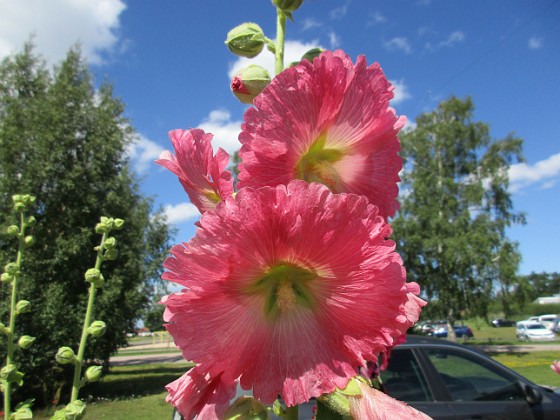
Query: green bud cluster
22	201
94	276
11	374
11	270
74	410
107	224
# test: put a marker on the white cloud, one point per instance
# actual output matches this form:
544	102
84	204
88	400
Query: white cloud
180	213
293	51
309	23
409	125
142	153
522	175
225	130
401	91
56	25
376	18
453	39
536	43
339	12
398	44
334	40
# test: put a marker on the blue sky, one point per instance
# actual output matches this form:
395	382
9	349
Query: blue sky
168	63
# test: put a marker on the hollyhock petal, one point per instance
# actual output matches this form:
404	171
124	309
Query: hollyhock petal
328	121
555	366
202	175
289	289
374	404
197	393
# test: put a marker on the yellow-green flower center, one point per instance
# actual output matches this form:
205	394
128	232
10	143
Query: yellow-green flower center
285	286
317	164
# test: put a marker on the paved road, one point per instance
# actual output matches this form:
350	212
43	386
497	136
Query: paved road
178	358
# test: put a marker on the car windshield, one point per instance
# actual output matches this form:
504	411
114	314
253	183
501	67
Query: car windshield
536	327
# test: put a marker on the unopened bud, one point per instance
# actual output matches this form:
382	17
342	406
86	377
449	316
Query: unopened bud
22	201
10	373
110	243
25	341
23	307
93	275
12	230
93	373
287	5
249	82
312	54
246	40
6	278
118	224
29	241
11	268
31	221
97	328
110	255
65	355
75	410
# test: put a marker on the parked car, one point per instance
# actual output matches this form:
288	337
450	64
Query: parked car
499	322
533	331
548	320
461	331
446	380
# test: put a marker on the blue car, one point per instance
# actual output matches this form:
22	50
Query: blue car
461	331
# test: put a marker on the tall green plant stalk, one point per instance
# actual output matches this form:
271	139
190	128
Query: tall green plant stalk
280	40
10	374
105	251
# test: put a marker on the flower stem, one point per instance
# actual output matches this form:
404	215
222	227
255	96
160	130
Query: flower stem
280	39
76	383
10	333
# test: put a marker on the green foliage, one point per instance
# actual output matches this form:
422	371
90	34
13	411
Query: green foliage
535	309
65	142
456	207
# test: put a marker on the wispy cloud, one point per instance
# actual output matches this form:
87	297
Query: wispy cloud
545	172
376	18
334	40
142	152
339	12
57	25
309	23
536	42
398	44
453	39
401	91
180	213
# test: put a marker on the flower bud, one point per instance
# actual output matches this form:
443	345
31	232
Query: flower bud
29	241
249	82
21	202
110	255
75	410
6	278
65	355
118	224
312	54
31	221
23	307
110	243
2	328
287	5
25	341
9	373
246	40
11	268
93	373
105	225
246	407
97	328
12	230
93	275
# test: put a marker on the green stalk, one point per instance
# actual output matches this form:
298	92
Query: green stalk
280	39
10	334
78	364
292	413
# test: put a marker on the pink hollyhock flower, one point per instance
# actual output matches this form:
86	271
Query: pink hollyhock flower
330	122
288	290
374	404
555	366
202	175
197	393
